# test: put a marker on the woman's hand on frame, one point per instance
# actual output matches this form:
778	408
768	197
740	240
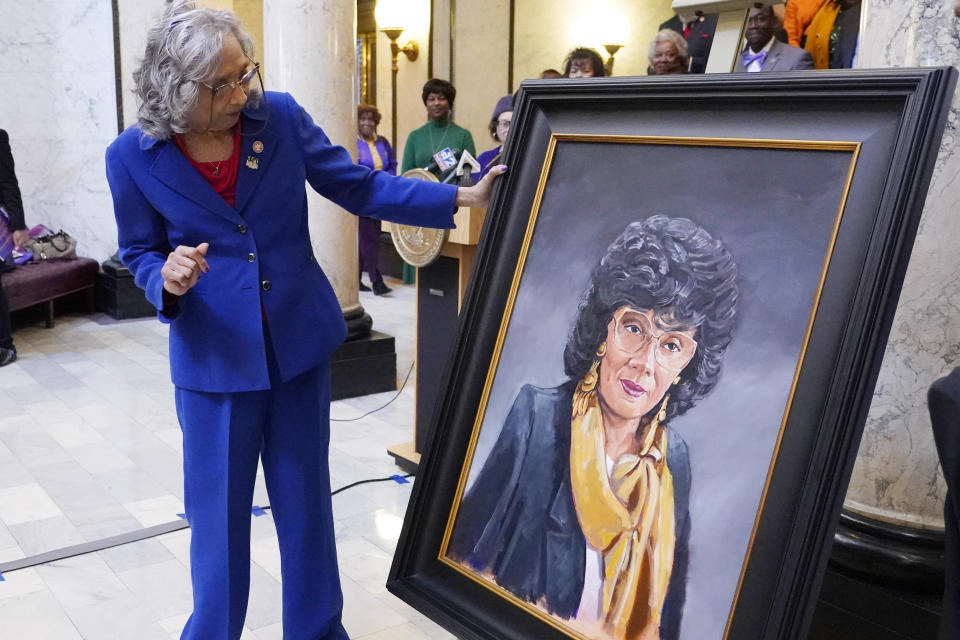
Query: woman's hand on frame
479	194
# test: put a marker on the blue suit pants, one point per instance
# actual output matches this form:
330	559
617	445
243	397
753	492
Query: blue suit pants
223	436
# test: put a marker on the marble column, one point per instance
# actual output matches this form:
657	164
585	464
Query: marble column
309	52
897	477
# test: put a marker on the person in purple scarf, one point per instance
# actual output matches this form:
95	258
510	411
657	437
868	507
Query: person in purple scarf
375	152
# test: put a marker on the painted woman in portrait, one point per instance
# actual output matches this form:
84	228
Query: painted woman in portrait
581	507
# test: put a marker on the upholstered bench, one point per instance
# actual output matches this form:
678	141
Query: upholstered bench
43	282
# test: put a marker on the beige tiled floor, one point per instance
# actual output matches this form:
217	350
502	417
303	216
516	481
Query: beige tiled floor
90	448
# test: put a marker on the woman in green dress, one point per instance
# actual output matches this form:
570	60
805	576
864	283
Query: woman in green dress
439	133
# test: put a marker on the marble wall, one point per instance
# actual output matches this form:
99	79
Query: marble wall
897	477
59	108
62	114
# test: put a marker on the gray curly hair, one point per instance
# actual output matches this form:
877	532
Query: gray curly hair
668	35
183	49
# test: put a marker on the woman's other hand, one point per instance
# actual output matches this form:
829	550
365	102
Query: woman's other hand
183	268
479	194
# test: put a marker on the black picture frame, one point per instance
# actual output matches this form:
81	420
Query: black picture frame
891	122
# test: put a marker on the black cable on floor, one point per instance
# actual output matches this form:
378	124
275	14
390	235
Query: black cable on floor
169	527
136	536
359	482
396	395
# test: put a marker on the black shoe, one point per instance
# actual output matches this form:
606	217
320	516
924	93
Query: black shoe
364	287
7	356
380	289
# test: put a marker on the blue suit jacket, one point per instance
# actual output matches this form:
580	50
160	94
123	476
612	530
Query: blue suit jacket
518	520
260	249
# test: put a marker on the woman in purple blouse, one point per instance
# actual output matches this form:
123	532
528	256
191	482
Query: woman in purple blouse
375	152
499	129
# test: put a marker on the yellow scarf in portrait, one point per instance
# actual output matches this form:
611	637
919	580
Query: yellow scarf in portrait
628	516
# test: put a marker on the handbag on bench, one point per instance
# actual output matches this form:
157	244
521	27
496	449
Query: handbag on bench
53	246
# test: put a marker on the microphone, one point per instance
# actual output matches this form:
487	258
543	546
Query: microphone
443	161
467	166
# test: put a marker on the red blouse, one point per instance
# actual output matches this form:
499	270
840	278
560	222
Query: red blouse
222	175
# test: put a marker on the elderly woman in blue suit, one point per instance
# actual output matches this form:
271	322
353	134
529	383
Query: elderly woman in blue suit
581	507
210	202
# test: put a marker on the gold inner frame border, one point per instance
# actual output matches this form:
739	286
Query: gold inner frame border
853	148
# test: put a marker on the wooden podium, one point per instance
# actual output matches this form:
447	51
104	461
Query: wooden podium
440	290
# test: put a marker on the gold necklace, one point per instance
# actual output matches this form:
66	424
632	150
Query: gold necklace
215	164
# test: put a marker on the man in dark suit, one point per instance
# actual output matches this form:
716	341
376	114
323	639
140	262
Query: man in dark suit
763	51
13	204
698	31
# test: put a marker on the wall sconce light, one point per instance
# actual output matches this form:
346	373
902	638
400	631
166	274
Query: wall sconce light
611	49
604	22
616	33
390	16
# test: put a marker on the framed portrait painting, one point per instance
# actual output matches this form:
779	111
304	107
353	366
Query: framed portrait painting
666	354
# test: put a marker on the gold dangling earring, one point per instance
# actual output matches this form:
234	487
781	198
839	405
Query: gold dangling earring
662	413
589	382
585	388
653	440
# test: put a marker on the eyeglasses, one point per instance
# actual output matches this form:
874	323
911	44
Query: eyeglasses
227	88
673	350
503	124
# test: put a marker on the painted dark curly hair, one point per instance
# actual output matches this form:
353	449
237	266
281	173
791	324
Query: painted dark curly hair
675	268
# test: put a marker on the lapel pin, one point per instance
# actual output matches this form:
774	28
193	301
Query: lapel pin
253	163
257	146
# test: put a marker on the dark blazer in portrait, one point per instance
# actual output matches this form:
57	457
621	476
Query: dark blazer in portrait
262	265
699	39
9	188
781	57
518	520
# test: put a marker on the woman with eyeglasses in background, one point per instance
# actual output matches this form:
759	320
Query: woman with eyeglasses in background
499	129
211	209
